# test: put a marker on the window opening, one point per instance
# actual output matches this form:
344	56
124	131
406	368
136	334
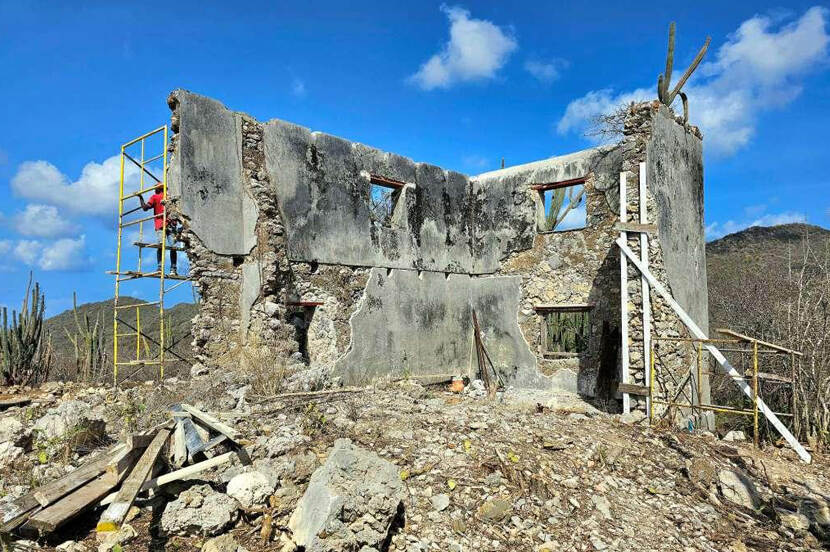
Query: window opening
383	198
564	205
565	331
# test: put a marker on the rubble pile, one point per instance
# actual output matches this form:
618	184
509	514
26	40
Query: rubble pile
402	467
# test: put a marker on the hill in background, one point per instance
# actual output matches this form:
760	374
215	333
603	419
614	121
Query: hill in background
177	321
747	270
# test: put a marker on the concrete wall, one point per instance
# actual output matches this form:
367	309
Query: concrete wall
206	174
675	179
276	214
412	324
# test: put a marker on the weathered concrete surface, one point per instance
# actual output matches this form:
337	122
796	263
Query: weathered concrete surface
422	325
675	179
206	175
443	221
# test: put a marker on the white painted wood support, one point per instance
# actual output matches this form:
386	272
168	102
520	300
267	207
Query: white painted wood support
643	279
624	364
714	351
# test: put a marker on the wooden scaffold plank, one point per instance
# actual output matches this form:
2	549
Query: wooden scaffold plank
114	515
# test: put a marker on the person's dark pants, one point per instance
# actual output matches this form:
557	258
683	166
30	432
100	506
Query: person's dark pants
171	242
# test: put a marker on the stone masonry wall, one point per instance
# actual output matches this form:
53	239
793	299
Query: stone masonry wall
298	267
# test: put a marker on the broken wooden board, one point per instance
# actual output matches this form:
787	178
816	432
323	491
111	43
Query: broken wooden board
7	401
47	520
179	445
632	389
49	493
156	482
80	500
636	227
112	518
211	422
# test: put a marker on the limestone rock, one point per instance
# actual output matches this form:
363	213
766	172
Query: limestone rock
633	417
125	534
793	520
735	435
11	430
224	543
495	509
350	503
199	511
738	488
58	421
9	453
71	546
251	489
440	502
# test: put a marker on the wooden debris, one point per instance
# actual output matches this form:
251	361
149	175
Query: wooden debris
112	518
7	401
76	503
211	422
157	482
115	478
633	389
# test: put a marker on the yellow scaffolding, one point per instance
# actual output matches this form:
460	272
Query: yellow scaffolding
741	344
148	181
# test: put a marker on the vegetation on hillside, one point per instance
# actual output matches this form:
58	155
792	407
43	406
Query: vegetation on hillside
774	284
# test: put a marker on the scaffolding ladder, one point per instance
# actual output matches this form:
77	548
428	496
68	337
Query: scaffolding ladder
144	153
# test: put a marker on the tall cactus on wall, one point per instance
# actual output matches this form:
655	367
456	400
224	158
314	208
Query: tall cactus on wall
664	80
25	357
88	343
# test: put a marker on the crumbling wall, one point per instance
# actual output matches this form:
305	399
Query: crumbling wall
571	267
672	152
295	240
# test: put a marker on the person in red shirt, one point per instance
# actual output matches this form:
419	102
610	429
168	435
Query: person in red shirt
156	203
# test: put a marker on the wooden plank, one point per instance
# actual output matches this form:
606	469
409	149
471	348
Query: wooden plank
112	518
193	440
70	506
716	354
49	493
743	337
632	389
7	401
179	445
156	482
560	184
211	422
643	281
636	227
624	353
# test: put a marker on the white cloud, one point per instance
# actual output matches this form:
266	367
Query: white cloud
94	193
545	72
298	87
27	251
717	230
43	221
5	246
477	49
64	254
760	67
60	255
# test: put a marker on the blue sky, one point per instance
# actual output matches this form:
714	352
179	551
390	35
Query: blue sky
459	85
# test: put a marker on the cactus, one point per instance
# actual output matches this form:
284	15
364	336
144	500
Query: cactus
24	355
88	344
664	80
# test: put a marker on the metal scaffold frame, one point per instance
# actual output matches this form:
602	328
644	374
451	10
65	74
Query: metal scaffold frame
145	164
743	345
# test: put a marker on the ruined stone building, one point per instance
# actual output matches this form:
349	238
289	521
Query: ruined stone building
361	264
